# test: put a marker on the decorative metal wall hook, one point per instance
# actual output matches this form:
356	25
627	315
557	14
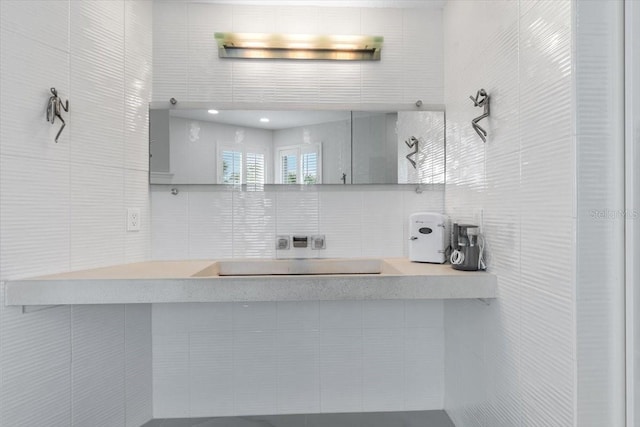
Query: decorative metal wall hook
412	142
481	100
54	109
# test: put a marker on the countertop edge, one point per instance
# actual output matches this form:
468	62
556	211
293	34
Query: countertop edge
244	289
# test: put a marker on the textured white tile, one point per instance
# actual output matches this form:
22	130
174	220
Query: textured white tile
340	214
340	20
339	84
545	62
299	19
382	224
253	80
97	73
423	368
254	19
138	364
254	316
33	240
211	381
210	223
136	125
170	51
340	314
298	315
136	195
210	316
170	228
137	90
208	74
547	359
423	314
171	319
523	179
385	314
341	370
170	375
29	69
382	370
35	361
556	206
298	383
97	217
422	68
383	81
254	224
254	372
502	221
98	348
44	21
297	212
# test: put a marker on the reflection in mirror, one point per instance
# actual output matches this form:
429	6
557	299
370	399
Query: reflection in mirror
255	148
404	147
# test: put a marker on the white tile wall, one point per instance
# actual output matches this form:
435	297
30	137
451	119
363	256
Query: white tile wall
186	65
62	206
297	357
512	363
362	221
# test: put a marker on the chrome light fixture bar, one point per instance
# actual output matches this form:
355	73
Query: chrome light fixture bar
299	46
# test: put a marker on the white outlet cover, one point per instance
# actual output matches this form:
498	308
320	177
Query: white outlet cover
133	219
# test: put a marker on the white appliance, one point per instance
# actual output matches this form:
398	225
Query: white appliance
428	237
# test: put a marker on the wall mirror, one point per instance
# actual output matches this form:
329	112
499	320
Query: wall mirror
259	147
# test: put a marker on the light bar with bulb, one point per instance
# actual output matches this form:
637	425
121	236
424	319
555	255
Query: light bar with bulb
299	46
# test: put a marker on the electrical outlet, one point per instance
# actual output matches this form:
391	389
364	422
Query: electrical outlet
133	219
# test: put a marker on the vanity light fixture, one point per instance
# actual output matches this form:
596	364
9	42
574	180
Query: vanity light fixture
299	46
212	111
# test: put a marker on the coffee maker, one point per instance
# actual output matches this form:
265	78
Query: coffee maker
467	246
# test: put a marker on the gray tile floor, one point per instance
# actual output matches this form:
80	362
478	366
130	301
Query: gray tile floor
364	419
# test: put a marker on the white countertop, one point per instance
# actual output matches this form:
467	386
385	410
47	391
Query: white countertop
197	281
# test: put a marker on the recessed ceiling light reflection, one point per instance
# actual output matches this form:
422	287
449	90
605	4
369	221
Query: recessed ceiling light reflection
264	120
213	111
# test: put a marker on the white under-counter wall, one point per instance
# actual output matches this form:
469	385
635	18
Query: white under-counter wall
297	357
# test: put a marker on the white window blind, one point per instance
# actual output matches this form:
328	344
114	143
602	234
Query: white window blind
231	167
310	168
255	171
289	169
